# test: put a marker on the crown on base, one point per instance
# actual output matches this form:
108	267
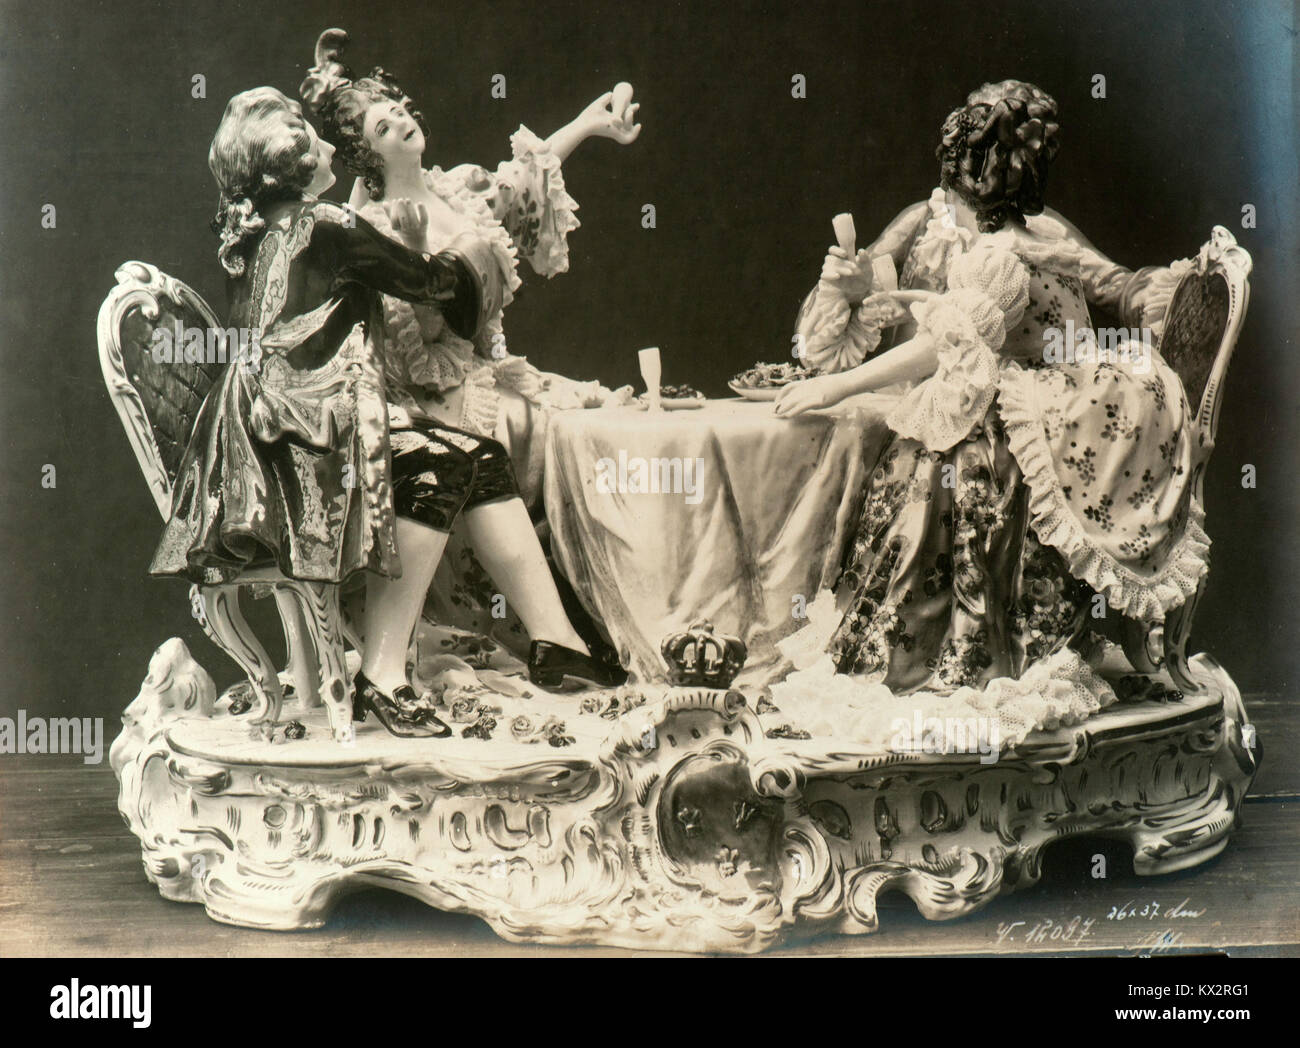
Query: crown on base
700	658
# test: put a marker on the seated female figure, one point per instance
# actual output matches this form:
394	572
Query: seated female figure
1020	481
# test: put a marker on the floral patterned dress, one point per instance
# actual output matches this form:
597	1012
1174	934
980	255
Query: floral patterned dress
1018	485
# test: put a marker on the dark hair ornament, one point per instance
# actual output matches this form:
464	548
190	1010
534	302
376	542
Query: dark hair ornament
329	74
995	151
341	104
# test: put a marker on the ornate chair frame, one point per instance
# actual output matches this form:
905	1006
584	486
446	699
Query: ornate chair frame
309	611
1150	648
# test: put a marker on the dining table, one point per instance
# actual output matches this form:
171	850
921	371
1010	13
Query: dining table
725	513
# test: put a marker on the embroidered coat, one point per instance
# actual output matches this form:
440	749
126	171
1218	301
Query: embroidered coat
288	463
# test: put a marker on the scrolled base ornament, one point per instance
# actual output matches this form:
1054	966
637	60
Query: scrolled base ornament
677	826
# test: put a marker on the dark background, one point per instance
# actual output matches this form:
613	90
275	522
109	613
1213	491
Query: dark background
96	117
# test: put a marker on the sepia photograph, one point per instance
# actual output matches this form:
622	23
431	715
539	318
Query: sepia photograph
649	480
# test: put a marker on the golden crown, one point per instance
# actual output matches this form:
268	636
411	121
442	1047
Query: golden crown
699	657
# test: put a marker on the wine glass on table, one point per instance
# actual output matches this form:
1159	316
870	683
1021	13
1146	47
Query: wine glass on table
651	374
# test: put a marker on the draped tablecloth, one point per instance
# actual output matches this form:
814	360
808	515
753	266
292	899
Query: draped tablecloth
747	520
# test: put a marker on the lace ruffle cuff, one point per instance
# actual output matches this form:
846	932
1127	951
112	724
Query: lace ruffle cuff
544	244
946	407
843	336
1147	295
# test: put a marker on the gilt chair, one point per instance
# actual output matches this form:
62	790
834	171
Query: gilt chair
1198	336
157	404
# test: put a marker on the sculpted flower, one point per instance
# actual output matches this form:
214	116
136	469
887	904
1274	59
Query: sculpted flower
464	710
1046	592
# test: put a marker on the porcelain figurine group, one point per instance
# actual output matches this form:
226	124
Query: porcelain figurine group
366	432
385	411
1021	488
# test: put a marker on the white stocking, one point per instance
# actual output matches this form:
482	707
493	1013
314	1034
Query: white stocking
506	544
393	605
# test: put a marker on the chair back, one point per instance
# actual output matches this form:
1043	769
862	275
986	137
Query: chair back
1201	326
156	386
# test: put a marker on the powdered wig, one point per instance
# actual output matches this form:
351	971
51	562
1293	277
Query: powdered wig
996	149
341	103
261	153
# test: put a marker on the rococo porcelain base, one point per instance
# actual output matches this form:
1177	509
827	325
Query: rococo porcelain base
683	828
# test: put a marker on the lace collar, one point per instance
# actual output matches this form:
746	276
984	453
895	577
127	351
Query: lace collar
1042	241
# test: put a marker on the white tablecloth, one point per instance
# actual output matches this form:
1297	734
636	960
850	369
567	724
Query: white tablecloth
763	530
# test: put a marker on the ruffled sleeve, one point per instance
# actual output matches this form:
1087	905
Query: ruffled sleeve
927	260
841	337
527	196
968	326
942	410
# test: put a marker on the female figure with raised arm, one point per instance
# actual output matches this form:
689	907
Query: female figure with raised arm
1021	479
520	210
300	462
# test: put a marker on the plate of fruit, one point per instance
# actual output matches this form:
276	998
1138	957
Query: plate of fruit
676	398
765	381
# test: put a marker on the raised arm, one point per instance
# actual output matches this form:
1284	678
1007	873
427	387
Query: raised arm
1104	280
896	238
612	115
1139	299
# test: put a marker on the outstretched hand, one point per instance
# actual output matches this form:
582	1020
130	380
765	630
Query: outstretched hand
613	115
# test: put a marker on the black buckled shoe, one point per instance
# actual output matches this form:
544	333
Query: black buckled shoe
401	713
549	664
604	653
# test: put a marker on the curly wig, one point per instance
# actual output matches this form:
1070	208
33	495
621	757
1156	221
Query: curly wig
341	104
261	153
995	151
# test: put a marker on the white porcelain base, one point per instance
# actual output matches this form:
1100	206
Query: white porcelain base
680	827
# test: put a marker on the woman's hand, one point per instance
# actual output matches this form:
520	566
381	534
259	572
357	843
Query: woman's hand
611	116
808	394
851	277
410	221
